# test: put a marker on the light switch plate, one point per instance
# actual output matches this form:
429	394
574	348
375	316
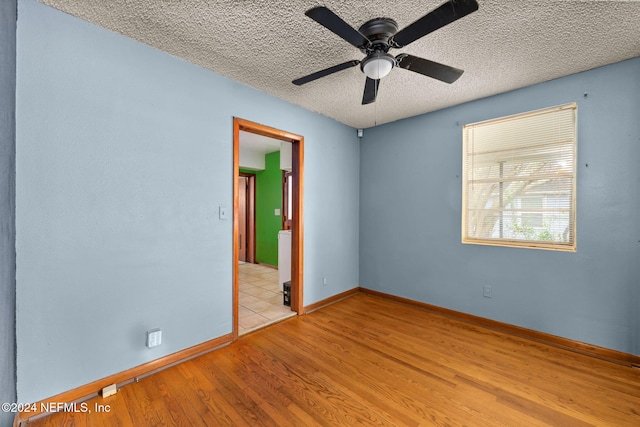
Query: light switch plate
276	212
223	213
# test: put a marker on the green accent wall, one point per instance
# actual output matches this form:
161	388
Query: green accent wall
268	198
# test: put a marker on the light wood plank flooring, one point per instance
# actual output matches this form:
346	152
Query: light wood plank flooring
370	361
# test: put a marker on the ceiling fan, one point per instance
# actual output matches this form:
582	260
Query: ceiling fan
376	37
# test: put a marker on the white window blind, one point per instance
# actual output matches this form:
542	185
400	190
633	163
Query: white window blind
519	180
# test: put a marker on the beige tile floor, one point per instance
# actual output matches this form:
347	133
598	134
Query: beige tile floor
260	298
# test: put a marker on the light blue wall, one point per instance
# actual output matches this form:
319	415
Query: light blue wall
124	155
7	206
411	211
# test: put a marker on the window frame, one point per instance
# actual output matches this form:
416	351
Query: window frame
287	199
516	213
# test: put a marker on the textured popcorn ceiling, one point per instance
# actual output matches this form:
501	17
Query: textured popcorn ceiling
265	44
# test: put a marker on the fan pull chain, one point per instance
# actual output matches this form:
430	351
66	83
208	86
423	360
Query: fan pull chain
375	105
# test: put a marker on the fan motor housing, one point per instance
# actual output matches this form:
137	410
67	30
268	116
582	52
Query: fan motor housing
378	31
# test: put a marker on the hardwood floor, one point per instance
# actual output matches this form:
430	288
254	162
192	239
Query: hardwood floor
370	361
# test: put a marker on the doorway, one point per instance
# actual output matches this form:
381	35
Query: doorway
297	167
247	217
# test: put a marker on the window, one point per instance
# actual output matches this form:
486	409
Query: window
287	199
519	180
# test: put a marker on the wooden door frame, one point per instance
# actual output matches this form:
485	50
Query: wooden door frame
251	217
297	145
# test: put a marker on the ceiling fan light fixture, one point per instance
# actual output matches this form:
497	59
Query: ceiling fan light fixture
377	36
378	65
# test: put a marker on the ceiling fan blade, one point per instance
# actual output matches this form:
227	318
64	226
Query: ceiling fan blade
325	72
334	23
438	18
370	91
428	68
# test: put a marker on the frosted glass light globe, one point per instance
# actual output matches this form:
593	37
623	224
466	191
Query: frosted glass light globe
377	67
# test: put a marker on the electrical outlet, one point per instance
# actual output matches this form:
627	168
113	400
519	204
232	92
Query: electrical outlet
324	281
154	337
486	291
